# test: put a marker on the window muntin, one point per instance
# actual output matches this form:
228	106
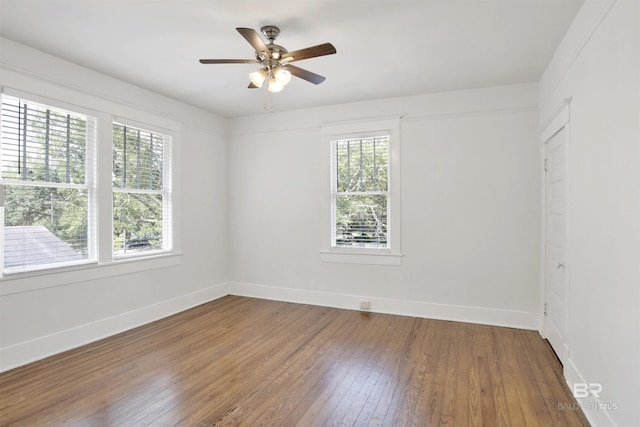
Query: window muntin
141	191
360	192
48	178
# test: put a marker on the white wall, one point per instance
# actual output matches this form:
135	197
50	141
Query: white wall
84	305
466	155
470	204
250	211
598	66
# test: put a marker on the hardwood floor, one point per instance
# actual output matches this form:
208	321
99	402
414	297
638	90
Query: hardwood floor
250	362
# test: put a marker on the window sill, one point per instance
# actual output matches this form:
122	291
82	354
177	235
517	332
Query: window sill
49	278
361	258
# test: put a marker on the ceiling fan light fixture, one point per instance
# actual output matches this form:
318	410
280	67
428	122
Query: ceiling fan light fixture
258	77
283	76
274	85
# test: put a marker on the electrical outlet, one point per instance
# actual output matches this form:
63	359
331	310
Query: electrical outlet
365	305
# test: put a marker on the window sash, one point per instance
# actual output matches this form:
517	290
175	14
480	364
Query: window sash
361	164
147	149
48	139
367	226
61	239
130	183
47	147
359	224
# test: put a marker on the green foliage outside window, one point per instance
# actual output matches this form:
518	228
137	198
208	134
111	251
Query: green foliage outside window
138	161
44	156
362	167
47	171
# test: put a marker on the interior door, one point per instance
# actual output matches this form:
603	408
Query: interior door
555	238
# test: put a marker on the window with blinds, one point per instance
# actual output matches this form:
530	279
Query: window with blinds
141	190
360	192
48	177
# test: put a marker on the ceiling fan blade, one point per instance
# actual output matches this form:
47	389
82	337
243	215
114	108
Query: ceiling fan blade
306	75
254	40
228	61
310	52
252	86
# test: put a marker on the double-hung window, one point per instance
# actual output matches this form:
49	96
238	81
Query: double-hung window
79	186
362	164
141	190
48	168
360	192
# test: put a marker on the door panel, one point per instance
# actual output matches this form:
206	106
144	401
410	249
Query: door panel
555	246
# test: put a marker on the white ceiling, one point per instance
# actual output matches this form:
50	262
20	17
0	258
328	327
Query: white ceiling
386	48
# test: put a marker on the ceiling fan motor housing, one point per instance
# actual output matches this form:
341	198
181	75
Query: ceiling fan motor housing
270	32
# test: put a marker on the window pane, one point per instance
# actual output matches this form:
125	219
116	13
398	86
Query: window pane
362	164
44	225
137	158
381	164
361	220
137	222
342	164
41	143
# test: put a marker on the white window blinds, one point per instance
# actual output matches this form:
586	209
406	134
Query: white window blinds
48	176
142	205
360	192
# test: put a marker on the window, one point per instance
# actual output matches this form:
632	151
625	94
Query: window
48	178
363	192
141	190
360	192
80	188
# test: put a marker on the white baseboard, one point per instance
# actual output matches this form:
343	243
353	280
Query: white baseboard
45	346
39	348
480	315
597	411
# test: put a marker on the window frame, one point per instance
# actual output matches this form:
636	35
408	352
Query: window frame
90	186
331	133
104	264
335	193
166	192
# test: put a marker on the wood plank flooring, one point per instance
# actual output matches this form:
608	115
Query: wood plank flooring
250	362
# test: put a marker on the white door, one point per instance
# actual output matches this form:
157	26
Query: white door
555	221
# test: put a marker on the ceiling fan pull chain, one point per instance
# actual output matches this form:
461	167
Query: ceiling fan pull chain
264	97
271	102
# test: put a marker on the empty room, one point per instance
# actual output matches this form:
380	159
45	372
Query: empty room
343	213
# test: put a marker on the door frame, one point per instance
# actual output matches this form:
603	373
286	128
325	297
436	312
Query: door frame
561	120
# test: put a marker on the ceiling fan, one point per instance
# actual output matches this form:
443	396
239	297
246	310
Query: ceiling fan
275	61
